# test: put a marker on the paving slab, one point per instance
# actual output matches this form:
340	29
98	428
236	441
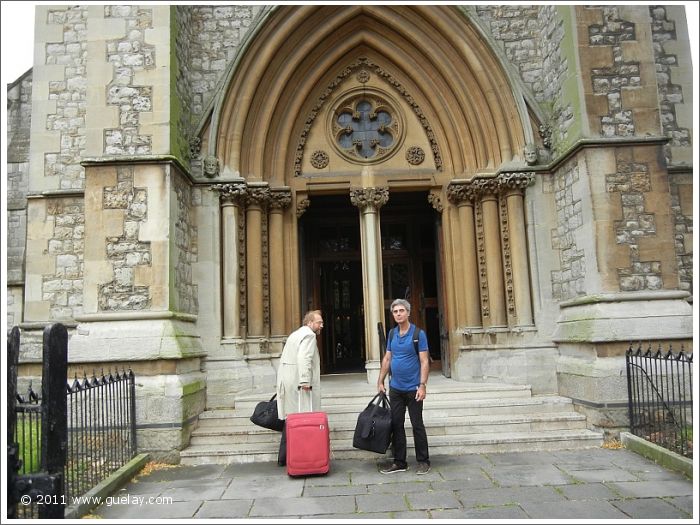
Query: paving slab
587	491
441	499
653	489
306	507
566	509
231	509
592	483
382	503
508	495
527	475
650	508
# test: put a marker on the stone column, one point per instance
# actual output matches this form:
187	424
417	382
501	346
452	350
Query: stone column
280	198
232	197
492	252
514	185
369	201
256	264
463	195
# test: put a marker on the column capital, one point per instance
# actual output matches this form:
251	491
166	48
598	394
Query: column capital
258	193
459	192
280	198
369	197
515	180
231	192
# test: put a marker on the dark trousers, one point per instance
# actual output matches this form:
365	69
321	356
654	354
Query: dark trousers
282	454
399	402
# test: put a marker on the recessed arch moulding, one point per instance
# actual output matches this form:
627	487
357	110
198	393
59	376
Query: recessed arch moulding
426	67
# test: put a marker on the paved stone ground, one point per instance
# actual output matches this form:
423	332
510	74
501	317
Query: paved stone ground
582	484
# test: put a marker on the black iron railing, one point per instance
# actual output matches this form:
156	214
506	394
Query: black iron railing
660	392
74	438
101	428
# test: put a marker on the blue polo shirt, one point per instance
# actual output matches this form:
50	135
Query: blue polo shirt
405	365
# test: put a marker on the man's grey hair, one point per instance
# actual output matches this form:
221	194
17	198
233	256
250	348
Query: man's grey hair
402	302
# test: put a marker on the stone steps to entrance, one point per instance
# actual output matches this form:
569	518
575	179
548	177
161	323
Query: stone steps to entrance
439	446
344	429
460	418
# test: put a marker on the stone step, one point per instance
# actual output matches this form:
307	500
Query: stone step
439	445
342	406
345	429
437	391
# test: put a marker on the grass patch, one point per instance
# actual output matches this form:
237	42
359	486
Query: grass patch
28	436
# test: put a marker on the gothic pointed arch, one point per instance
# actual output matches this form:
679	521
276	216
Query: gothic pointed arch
429	60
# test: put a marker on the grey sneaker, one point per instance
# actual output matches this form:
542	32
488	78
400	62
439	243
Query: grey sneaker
393	468
422	468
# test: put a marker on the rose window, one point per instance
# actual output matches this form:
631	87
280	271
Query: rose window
366	129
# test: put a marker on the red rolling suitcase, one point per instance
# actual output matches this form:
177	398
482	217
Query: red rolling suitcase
308	442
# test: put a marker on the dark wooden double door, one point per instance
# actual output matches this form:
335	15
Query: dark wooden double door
333	273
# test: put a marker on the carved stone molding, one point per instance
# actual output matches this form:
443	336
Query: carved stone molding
265	232
415	155
481	260
507	259
369	197
319	159
195	144
364	63
546	135
234	192
435	201
302	205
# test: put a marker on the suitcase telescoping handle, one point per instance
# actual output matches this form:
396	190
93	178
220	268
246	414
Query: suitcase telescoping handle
311	398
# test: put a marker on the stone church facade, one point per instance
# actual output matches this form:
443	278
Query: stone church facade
184	182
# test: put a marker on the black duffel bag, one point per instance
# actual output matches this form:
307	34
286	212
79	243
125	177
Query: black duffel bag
373	429
265	415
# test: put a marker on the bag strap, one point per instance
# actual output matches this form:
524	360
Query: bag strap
383	400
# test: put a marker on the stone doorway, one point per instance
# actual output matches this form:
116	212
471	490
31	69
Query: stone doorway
332	277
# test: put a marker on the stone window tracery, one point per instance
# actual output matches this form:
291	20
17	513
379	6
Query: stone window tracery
366	128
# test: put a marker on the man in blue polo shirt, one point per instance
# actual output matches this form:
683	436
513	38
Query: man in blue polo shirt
409	365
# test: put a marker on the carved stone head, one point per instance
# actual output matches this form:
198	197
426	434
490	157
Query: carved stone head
211	166
530	154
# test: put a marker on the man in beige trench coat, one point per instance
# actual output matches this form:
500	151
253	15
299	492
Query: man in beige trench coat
299	367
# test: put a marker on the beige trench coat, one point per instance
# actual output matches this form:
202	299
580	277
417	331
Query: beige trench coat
299	363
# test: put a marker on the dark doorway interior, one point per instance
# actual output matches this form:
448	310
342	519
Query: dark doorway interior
341	302
409	230
333	275
332	272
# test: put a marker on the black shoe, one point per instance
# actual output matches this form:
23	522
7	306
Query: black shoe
423	468
393	468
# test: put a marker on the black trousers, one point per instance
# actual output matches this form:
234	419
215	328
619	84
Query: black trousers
282	454
400	401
